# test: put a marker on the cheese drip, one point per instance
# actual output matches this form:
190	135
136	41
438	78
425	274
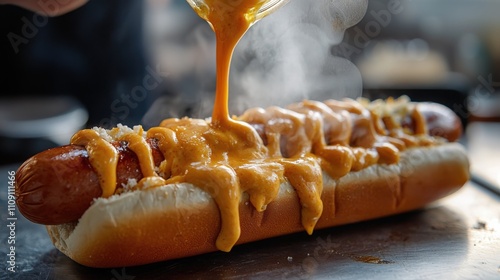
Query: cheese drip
229	20
102	156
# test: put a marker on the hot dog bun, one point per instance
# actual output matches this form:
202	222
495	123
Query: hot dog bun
181	220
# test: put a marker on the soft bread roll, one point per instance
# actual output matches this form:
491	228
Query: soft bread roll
181	220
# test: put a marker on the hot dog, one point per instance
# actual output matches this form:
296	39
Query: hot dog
45	198
328	163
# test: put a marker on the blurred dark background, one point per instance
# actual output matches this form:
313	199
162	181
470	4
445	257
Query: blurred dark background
445	51
115	59
94	53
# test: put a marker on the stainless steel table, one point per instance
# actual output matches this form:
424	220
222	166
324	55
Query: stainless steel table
456	238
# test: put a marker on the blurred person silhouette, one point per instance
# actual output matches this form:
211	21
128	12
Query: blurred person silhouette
47	8
93	51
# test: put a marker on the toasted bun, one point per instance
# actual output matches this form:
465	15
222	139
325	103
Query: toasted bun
181	220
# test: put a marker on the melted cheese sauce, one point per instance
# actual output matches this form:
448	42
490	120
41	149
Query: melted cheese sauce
230	20
228	157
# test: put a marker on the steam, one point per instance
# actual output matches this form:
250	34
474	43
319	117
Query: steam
283	58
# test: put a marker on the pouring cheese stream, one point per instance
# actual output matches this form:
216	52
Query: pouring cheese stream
226	157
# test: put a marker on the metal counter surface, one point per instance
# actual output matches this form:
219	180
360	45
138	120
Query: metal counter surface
456	238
